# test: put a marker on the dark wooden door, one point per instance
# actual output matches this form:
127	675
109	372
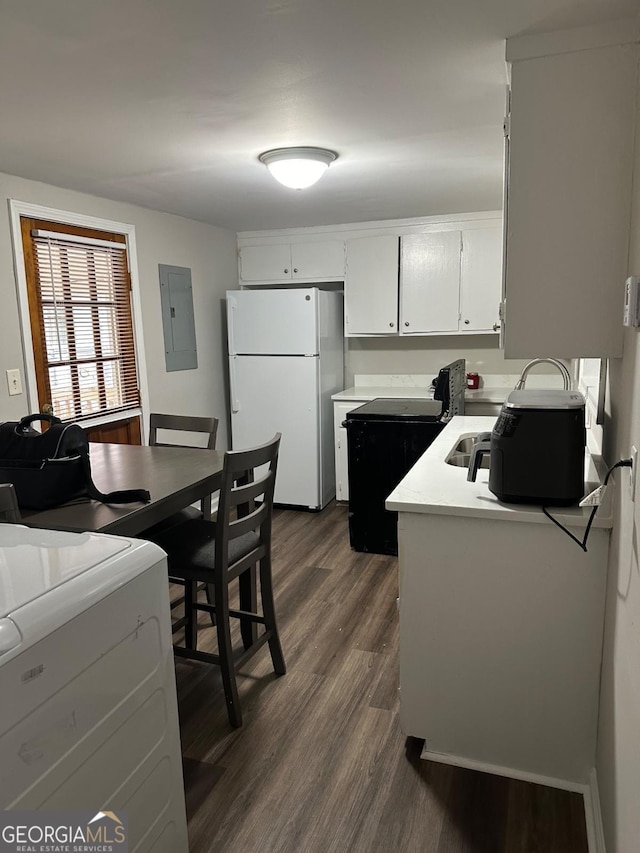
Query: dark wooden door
127	431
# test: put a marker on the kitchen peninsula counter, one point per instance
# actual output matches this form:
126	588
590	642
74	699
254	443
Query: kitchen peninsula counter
433	486
501	623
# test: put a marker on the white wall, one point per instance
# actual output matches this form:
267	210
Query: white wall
209	252
427	355
618	758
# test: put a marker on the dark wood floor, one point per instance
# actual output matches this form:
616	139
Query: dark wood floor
320	765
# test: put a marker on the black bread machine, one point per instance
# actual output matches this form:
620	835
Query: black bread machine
536	448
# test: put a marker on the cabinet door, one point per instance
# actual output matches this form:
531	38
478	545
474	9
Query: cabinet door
569	199
480	279
313	261
265	263
371	286
430	283
340	410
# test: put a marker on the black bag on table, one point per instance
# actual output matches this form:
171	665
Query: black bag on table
51	468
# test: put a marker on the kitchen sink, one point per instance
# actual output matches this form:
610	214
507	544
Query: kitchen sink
460	456
461	460
465	445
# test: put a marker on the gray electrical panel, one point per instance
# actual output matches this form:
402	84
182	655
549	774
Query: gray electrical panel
178	324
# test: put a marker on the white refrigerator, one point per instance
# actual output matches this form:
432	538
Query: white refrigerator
89	717
286	359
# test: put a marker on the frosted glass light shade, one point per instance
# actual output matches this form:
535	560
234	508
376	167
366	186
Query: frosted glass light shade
297	168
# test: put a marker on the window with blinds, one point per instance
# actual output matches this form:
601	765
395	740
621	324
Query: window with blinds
79	295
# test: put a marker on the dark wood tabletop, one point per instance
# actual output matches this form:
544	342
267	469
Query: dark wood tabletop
174	476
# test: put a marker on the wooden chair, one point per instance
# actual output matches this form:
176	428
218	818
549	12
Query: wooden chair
9	509
184	423
217	553
188	424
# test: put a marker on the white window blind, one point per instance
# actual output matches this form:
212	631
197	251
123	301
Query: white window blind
85	324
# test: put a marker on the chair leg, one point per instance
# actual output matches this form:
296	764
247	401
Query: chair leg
248	601
225	653
269	610
191	615
211	599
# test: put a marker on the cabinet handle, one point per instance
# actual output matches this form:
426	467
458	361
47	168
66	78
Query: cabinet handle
295	270
406	322
392	325
496	327
466	322
286	270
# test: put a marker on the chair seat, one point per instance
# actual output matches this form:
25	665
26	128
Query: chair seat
191	548
189	513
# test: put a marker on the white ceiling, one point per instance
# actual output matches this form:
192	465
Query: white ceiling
168	103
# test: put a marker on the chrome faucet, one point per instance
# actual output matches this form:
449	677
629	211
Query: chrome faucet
560	365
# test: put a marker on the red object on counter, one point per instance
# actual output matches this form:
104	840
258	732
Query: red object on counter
473	381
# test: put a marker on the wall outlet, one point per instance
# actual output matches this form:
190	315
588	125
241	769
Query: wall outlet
14	382
632	472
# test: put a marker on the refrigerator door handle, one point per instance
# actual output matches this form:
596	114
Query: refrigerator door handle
231	306
235	404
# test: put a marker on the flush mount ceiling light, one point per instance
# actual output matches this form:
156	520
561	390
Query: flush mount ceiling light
297	167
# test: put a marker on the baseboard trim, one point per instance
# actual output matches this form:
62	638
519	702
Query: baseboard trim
593	815
497	770
590	793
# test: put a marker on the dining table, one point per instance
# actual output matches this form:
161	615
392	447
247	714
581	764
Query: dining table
175	477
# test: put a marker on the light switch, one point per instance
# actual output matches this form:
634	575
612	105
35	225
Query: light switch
14	382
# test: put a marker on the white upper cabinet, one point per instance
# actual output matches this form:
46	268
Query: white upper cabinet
430	283
430	276
371	286
481	279
314	261
570	166
449	283
265	263
286	262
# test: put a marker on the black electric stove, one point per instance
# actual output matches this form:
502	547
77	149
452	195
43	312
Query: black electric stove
383	409
386	437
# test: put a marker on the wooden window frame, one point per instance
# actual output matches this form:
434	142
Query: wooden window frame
19	209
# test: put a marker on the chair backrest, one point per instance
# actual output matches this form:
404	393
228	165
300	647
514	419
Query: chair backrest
9	509
246	501
184	423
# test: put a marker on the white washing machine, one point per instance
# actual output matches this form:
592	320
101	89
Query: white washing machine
88	711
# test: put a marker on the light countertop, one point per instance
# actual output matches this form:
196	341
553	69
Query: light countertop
392	386
364	393
494	389
433	486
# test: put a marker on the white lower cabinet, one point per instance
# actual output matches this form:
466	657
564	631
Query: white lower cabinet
340	411
501	642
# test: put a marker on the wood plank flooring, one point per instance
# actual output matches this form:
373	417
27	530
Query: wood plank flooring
320	765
